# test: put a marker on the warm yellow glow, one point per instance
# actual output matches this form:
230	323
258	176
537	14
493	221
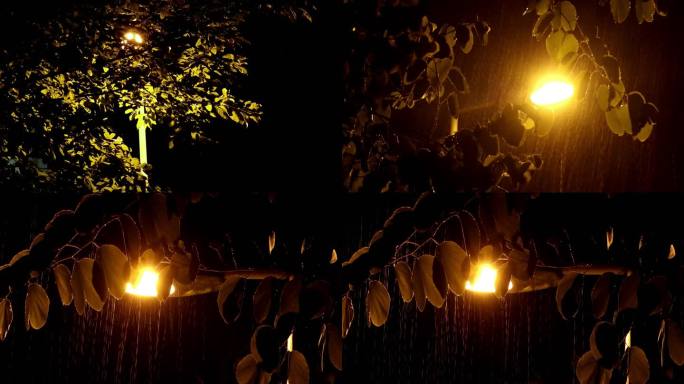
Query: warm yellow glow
552	92
628	340
290	343
144	283
484	279
133	37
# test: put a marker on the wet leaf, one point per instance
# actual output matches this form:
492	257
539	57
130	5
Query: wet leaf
6	316
503	280
82	286
620	9
639	370
63	283
116	269
377	303
403	272
298	369
456	265
627	296
675	343
564	286
246	370
600	295
231	313
560	45
262	300
334	345
37	306
347	315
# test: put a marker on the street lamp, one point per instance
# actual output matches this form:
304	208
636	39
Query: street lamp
552	92
483	279
145	283
133	37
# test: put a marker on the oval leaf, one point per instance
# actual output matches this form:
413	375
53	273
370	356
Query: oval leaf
297	369
37	305
638	371
563	287
246	370
403	272
116	269
627	296
587	368
225	291
334	345
456	265
620	9
675	343
63	283
82	286
262	300
6	316
347	315
289	298
600	295
377	303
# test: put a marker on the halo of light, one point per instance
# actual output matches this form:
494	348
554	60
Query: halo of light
552	92
133	37
145	283
484	279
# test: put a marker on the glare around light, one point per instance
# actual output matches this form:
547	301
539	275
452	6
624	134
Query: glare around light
484	279
290	343
133	37
552	92
145	282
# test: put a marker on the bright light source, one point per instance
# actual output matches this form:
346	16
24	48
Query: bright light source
552	92
133	37
145	283
484	279
290	343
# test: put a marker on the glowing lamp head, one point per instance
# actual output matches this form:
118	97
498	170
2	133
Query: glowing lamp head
483	279
145	282
133	37
552	92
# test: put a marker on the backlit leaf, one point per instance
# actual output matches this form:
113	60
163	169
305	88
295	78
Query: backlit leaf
262	300
675	343
645	10
37	306
82	286
63	283
620	9
560	45
456	265
403	273
618	120
600	295
377	303
298	369
6	316
638	370
568	15
246	370
347	315
116	268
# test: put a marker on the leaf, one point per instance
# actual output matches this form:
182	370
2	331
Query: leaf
423	268
456	265
560	45
131	235
262	300
609	237
265	347
568	15
627	296
675	343
333	257
297	369
63	283
644	10
564	285
246	370
271	242
6	316
82	286
37	306
289	297
334	345
620	9
116	268
600	295
377	303
225	291
403	273
347	315
672	252
165	282
603	97
638	371
453	105
587	368
360	252
604	343
503	280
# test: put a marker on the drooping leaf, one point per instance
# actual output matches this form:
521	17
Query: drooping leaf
165	282
675	343
645	10
6	316
470	232
424	269
620	9
403	272
230	309
334	345
264	346
456	265
289	297
627	296
37	306
600	295
377	303
271	242
587	368
347	315
333	256
609	237
638	370
82	286
564	286
568	16
116	268
560	45
503	280
262	300
618	120
246	370
315	299
63	283
604	342
298	369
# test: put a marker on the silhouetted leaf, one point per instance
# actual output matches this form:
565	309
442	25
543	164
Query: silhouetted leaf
334	345
620	9
403	272
347	315
675	343
116	268
63	283
627	296
264	347
638	370
600	295
564	286
377	303
230	309
298	369
315	299
6	316
618	120
82	286
424	268
289	297
560	45
568	16
503	280
604	343
456	265
165	282
37	305
262	300
246	370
